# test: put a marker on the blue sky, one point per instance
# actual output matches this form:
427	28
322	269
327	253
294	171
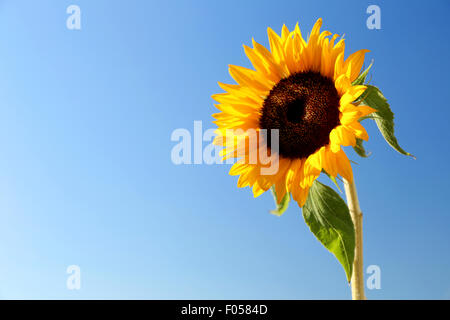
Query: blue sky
86	176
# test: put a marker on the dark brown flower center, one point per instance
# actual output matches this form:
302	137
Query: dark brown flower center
304	108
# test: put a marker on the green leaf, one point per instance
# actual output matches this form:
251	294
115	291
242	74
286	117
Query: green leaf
359	148
384	117
283	205
362	77
328	218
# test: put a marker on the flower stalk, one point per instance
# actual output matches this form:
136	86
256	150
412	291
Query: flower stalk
357	280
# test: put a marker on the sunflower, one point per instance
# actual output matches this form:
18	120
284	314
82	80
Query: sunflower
304	90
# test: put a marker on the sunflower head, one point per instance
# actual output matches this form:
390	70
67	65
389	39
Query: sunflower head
303	90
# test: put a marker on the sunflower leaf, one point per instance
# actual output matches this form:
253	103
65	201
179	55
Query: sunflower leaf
359	148
384	117
362	77
283	205
328	218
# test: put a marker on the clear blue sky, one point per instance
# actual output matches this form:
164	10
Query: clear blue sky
86	176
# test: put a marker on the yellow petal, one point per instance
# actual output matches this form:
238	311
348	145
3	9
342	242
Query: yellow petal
284	33
316	29
352	94
353	64
262	185
262	65
251	79
300	195
358	130
342	84
349	116
310	171
329	161
277	49
345	169
291	172
298	32
280	190
241	93
365	110
239	168
339	66
342	136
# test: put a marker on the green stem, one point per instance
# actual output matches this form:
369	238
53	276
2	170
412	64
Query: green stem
357	281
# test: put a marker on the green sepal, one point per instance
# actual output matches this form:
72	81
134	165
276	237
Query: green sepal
283	205
359	148
362	77
332	179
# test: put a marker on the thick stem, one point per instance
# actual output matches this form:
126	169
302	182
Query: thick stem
357	281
